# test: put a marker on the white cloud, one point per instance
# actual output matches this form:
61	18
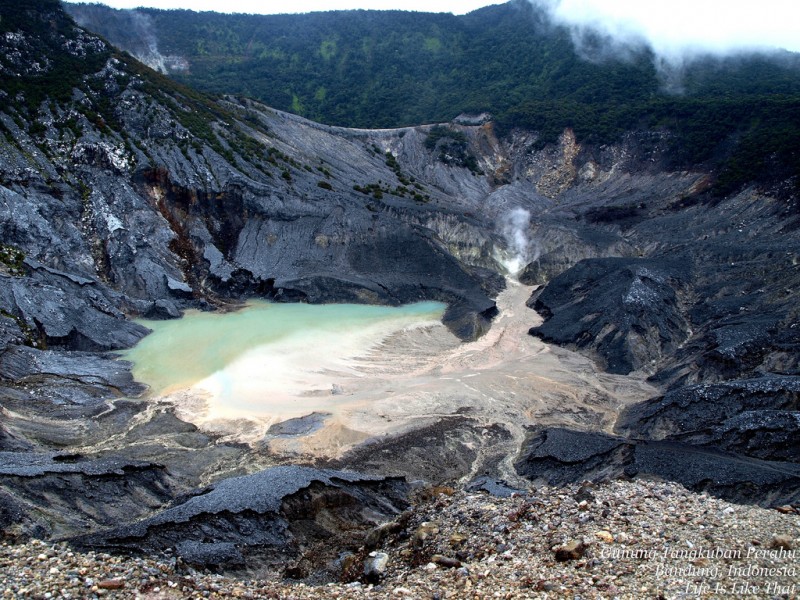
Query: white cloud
301	6
676	27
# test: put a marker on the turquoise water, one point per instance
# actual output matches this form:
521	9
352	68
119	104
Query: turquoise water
182	352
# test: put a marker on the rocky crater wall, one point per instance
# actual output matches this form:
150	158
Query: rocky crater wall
131	196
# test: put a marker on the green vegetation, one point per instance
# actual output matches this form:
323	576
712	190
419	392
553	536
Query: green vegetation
405	180
377	191
54	81
30	335
392	163
451	147
195	111
42	30
13	259
394	68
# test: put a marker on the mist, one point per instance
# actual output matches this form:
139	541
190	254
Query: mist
143	26
677	30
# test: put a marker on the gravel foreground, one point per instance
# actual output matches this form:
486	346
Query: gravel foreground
616	540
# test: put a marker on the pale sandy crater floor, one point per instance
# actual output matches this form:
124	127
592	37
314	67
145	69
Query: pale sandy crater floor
392	382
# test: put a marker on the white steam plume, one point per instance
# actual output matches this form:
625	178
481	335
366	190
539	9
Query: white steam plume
675	29
148	52
519	250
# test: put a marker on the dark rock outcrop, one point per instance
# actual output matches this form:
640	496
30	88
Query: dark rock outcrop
265	520
83	376
492	486
561	242
754	417
58	312
626	311
737	439
31	464
447	449
732	264
71	491
560	456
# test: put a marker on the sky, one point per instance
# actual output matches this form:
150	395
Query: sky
671	26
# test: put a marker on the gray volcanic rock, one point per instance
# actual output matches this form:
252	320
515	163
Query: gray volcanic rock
767	434
211	554
67	311
298	426
60	383
493	487
756	417
72	490
560	456
10	332
31	464
449	449
10	442
626	310
280	514
733	262
559	244
20	363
